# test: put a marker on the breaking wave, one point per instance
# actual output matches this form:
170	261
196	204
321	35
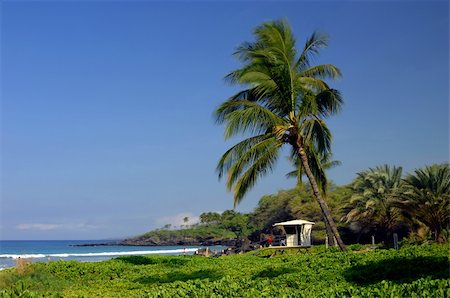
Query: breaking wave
98	254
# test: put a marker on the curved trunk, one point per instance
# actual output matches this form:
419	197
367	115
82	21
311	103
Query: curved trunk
322	203
330	236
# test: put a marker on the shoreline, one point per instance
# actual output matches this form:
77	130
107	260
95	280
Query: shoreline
149	242
89	253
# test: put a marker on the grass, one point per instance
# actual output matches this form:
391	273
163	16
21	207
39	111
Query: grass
415	271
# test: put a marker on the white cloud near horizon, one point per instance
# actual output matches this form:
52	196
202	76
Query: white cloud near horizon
49	227
178	219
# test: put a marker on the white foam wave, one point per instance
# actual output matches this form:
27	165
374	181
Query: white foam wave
98	254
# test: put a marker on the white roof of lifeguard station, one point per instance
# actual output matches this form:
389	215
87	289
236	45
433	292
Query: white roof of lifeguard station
295	222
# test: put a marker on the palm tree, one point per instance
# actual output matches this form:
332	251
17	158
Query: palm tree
372	204
426	197
284	102
186	220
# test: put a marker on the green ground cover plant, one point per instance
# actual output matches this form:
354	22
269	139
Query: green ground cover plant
413	271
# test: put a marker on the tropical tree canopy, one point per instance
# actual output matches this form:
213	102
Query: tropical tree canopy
326	163
372	205
426	197
285	101
210	217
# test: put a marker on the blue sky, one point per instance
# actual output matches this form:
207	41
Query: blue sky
107	127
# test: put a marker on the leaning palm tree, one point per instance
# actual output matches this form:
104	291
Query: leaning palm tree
284	102
373	203
426	198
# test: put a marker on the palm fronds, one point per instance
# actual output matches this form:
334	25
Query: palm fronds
284	101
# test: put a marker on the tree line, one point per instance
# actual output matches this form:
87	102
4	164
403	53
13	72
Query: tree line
380	201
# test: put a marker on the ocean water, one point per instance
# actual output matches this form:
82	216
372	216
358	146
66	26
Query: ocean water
52	250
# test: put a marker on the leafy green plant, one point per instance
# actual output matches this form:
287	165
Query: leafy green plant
413	271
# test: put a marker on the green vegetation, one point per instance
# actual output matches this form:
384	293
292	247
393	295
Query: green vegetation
413	271
372	204
285	101
426	198
383	203
189	235
379	202
214	227
299	203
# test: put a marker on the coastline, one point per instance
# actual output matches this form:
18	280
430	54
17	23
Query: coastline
45	251
148	241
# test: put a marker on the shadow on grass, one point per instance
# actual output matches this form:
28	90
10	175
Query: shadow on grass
399	270
142	260
180	276
274	272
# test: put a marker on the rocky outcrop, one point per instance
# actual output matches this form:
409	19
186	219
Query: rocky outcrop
148	241
143	241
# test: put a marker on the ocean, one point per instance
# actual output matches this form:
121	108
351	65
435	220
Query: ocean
52	250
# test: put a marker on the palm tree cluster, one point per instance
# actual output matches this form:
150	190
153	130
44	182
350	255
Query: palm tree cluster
384	202
285	101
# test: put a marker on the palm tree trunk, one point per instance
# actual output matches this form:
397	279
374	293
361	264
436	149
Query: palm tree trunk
322	203
330	236
438	235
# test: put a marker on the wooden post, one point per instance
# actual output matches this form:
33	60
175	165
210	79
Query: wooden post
373	240
395	241
326	242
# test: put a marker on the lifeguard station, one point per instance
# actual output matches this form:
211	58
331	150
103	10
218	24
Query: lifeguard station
298	233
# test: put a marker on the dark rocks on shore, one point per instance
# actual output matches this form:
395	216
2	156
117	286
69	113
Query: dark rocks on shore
141	241
96	244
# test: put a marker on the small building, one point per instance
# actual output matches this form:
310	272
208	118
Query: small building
298	232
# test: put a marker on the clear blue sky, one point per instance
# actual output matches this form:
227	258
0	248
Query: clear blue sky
107	127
